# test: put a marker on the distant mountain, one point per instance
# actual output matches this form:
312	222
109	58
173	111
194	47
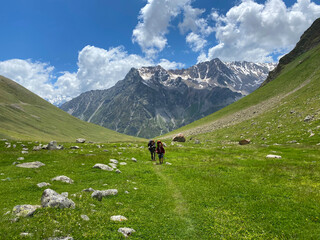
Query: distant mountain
151	101
26	116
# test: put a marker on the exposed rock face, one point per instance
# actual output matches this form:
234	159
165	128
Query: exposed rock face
309	40
31	165
25	210
152	101
103	167
179	138
51	198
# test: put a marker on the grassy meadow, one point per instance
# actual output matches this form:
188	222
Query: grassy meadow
212	190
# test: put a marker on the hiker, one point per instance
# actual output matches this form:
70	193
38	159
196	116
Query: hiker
160	150
152	149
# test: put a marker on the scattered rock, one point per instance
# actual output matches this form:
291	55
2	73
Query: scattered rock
318	144
15	163
43	184
25	210
60	238
118	171
308	118
126	231
123	163
126	192
51	198
85	217
273	156
133	159
62	178
179	138
105	150
167	163
103	193
114	161
118	218
45	146
25	234
31	165
74	147
88	190
293	141
113	165
54	146
80	140
103	167
244	142
20	158
196	141
24	152
37	148
25	149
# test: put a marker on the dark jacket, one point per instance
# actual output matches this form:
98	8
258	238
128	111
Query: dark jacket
160	150
152	146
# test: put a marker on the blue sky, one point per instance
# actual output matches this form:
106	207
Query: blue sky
60	48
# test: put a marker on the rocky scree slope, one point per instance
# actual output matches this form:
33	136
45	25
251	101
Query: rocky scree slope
151	101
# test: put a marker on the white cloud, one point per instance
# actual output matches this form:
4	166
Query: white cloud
154	19
97	69
195	41
253	32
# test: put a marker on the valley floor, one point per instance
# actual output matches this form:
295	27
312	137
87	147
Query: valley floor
208	192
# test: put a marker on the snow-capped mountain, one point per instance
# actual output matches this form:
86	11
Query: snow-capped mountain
151	100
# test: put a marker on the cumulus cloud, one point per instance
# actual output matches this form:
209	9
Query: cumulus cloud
154	19
254	32
97	69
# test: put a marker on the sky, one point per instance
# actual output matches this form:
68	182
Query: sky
61	48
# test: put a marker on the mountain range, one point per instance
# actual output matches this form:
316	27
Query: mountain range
151	101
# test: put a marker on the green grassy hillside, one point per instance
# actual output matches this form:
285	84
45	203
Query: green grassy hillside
25	116
272	114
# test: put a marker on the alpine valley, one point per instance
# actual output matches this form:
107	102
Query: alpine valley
151	101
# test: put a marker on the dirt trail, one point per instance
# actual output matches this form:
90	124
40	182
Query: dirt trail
242	115
181	208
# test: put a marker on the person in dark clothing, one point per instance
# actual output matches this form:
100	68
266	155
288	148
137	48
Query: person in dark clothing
160	150
152	149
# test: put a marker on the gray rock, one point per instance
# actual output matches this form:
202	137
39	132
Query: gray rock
31	165
118	218
179	138
103	167
43	184
74	147
65	194
114	161
24	152
273	156
196	141
60	238
85	217
88	190
308	118
15	163
293	141
167	163
45	146
37	148
123	163
133	159
51	198
54	146
62	178
103	193
20	158
113	165
25	234
80	140
25	210
118	171
126	231
25	149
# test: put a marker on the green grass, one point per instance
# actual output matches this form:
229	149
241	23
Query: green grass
209	192
25	116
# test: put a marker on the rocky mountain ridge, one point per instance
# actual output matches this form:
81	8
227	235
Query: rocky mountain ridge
151	101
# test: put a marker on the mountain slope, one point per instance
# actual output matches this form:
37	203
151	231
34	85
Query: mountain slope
25	116
151	100
286	109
